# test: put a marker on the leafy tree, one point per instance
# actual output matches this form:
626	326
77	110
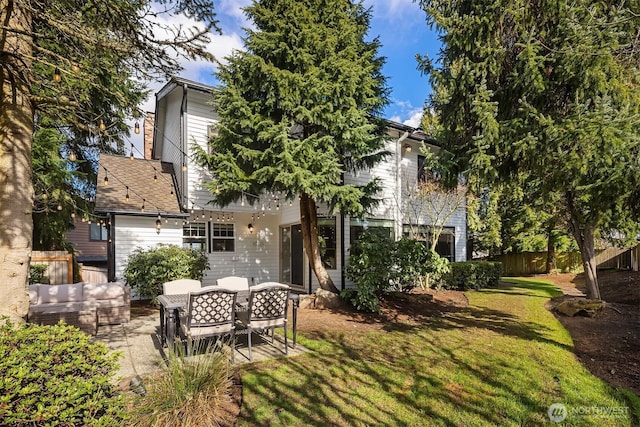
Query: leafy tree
549	88
296	112
430	199
68	65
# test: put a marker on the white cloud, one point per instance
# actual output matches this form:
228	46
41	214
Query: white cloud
233	9
414	118
404	112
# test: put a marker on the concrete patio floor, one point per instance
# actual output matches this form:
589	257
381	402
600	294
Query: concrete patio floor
142	352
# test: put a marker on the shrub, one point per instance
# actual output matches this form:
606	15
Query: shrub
473	275
370	267
56	375
38	273
378	264
416	265
187	392
148	269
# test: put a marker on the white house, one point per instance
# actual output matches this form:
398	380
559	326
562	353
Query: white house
261	241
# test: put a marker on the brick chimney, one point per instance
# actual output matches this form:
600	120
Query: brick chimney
147	129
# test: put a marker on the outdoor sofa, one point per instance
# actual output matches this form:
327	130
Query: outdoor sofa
85	305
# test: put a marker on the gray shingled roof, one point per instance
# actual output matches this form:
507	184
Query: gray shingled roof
138	175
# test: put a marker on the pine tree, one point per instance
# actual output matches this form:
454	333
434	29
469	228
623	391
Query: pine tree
297	112
68	65
550	88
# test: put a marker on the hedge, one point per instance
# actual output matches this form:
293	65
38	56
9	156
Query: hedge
472	275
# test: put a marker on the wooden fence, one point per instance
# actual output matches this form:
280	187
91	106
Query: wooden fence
59	265
92	274
516	264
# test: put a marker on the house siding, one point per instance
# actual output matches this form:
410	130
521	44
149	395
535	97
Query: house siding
256	254
131	232
198	117
80	238
171	136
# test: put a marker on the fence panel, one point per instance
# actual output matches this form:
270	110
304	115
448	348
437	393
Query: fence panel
59	265
92	274
525	263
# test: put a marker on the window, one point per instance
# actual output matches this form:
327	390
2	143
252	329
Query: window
222	238
327	235
359	226
446	245
212	132
97	232
421	172
194	236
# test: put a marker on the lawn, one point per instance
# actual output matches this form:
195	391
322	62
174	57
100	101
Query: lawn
501	361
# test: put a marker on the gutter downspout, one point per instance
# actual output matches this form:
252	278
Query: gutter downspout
111	248
183	148
397	211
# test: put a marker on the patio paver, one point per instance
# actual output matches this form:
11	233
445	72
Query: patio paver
139	342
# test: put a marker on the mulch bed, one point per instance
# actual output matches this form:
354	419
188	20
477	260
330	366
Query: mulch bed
608	344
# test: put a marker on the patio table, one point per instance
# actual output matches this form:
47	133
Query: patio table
171	304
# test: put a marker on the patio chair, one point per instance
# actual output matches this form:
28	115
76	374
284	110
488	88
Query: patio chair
210	312
234	282
180	286
267	309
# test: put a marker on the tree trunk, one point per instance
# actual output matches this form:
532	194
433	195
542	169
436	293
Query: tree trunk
16	135
551	249
584	238
309	225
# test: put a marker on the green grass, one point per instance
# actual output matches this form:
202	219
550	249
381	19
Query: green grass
502	361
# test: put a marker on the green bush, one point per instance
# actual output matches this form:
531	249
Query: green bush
473	275
370	266
56	376
148	269
38	273
416	265
191	391
378	264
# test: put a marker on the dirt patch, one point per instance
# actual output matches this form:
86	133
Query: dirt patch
408	308
608	344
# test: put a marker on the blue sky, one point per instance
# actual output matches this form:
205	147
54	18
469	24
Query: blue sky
400	25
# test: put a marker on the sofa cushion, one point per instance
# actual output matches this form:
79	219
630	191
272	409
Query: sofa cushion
59	293
33	294
104	291
62	306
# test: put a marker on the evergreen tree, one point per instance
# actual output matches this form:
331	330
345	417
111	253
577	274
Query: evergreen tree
297	112
68	65
549	88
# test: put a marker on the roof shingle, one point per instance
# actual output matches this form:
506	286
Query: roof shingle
138	175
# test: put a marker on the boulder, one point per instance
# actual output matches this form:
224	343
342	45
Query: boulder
327	299
580	307
307	301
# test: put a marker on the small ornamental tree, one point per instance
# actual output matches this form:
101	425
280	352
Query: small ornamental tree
148	269
296	112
